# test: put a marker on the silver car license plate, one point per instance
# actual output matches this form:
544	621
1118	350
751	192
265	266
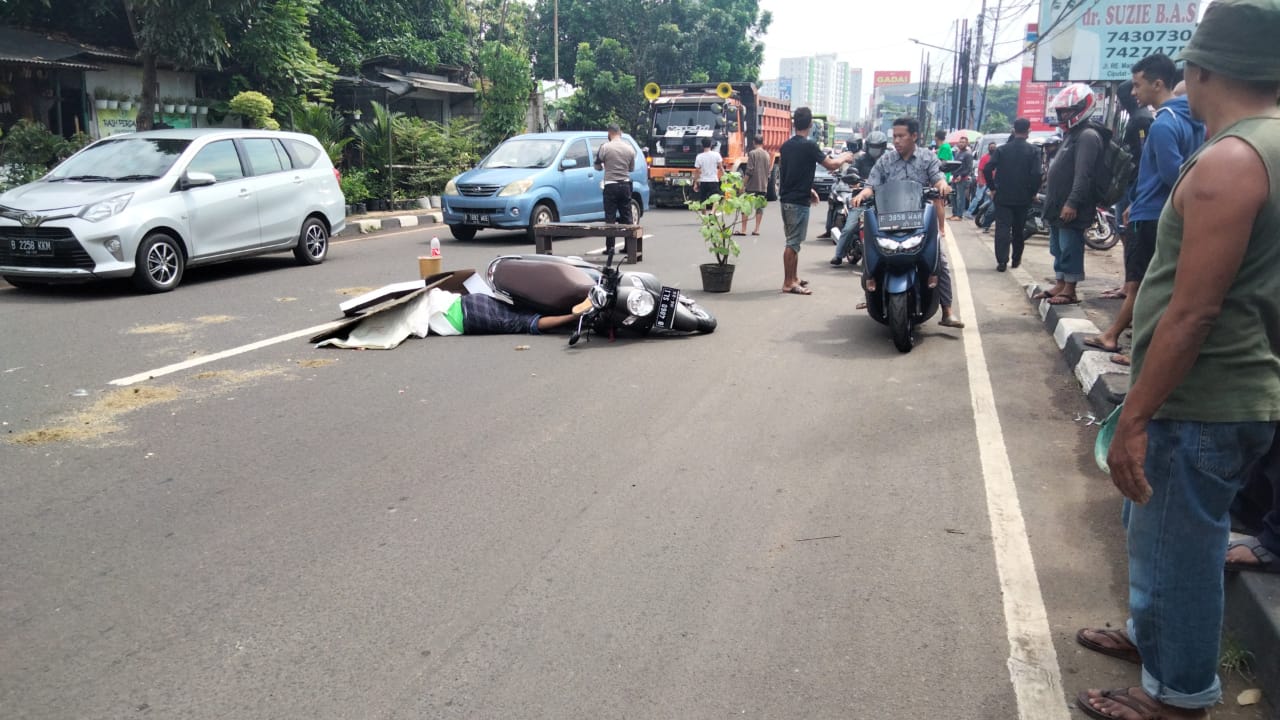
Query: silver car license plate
25	246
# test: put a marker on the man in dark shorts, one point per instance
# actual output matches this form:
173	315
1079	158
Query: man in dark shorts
1172	138
800	157
708	164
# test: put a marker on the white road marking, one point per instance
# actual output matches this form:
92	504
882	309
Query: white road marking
1033	661
206	359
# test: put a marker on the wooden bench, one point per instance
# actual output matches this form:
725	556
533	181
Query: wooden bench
632	235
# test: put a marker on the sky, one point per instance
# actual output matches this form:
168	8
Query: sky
878	36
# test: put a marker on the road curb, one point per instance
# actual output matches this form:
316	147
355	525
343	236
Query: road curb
1252	610
364	226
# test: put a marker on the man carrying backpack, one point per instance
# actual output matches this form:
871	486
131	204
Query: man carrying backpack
1072	190
1172	138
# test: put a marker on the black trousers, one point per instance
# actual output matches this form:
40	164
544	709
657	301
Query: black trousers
1011	228
617	206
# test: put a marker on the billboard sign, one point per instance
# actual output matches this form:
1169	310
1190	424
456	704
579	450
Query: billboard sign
891	77
1100	40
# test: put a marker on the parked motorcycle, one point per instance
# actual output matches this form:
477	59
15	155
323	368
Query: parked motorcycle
1103	234
632	302
900	245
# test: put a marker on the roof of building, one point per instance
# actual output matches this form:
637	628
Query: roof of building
30	48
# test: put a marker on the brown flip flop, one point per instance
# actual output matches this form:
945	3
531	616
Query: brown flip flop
1128	653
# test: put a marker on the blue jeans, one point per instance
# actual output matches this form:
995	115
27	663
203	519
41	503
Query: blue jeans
1067	247
1177	546
847	236
977	198
960	195
795	222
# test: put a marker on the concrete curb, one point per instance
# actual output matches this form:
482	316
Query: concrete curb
364	226
1103	382
1252	611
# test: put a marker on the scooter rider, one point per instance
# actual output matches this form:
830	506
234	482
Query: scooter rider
875	146
910	162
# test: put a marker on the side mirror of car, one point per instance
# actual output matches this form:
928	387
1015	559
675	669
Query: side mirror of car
196	179
568	163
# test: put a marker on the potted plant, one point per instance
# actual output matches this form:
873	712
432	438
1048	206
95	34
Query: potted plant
717	218
101	96
202	106
123	101
168	105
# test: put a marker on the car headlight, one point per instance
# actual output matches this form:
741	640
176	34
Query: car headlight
913	242
518	187
641	303
659	162
451	187
106	208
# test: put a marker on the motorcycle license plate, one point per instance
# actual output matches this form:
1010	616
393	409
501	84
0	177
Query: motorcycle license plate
475	218
897	220
668	301
24	246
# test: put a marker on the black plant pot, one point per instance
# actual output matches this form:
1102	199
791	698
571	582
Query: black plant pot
361	208
717	277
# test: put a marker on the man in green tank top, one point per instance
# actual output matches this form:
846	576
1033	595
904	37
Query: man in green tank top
1205	398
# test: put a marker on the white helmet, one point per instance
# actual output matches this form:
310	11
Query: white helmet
1073	104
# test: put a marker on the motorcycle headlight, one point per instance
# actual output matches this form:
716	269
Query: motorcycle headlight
451	187
913	242
641	303
106	208
887	245
518	187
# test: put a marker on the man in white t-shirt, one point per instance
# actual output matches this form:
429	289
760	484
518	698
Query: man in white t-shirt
708	164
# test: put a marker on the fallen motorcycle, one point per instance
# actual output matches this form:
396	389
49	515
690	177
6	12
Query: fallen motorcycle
621	301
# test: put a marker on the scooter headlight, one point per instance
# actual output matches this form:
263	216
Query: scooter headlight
887	245
641	303
913	242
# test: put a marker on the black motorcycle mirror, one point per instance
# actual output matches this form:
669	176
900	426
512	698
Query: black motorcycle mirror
851	178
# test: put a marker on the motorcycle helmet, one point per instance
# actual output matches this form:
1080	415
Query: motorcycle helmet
1073	105
876	143
854	143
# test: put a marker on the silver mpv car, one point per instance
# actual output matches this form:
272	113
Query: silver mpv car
148	205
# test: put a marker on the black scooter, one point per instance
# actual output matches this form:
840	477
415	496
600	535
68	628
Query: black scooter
900	244
842	193
630	302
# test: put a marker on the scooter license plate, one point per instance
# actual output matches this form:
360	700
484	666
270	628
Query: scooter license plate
668	301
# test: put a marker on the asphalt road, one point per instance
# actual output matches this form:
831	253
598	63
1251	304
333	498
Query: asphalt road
784	519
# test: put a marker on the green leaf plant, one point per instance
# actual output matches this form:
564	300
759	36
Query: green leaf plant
720	213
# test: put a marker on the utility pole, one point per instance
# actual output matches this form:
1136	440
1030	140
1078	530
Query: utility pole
977	61
555	43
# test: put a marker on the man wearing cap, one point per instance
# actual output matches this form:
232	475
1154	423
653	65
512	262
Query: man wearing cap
1205	399
617	158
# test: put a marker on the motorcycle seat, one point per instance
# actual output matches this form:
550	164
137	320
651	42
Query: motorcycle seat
545	287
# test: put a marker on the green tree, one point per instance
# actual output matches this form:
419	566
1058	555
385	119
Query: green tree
996	122
421	32
1002	99
274	53
505	88
606	93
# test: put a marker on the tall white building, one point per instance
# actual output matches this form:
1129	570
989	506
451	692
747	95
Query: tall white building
824	84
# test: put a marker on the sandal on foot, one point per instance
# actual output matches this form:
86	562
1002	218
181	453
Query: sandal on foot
1042	295
950	322
1095	341
1267	561
1064	300
1121	646
1143	707
755	232
1120	359
740	234
798	290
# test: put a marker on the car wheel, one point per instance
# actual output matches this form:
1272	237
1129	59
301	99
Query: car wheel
159	264
462	232
313	243
636	211
543	214
23	283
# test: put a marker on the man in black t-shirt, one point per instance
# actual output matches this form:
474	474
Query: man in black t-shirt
798	159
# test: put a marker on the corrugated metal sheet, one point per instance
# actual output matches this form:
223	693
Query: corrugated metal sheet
30	48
